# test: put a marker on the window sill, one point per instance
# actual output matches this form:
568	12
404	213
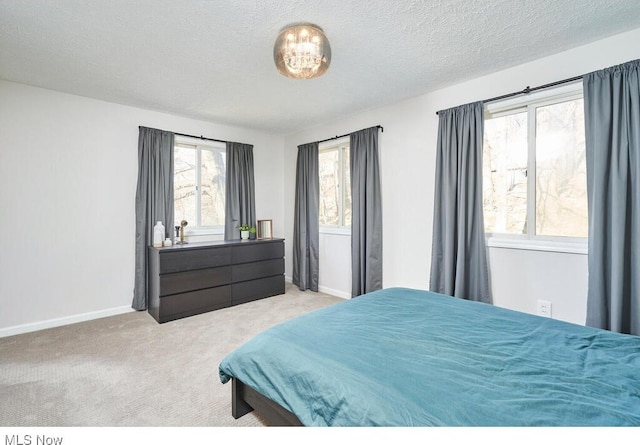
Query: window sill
203	232
578	247
342	231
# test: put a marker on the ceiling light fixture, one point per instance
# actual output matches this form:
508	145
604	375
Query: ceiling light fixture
302	51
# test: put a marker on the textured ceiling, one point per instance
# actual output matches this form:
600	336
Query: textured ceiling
212	59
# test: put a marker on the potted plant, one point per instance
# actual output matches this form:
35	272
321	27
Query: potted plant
252	233
244	231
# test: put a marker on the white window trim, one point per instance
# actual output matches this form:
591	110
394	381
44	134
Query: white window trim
560	244
203	231
198	146
548	244
333	230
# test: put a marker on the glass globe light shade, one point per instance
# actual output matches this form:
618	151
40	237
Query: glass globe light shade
302	51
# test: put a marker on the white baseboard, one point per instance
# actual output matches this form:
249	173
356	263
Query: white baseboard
37	326
326	290
334	292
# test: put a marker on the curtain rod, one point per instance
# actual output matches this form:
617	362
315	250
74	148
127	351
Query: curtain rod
338	137
200	137
528	90
191	136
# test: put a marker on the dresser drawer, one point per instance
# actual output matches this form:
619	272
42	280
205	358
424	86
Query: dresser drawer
256	289
260	269
181	260
190	303
257	251
178	282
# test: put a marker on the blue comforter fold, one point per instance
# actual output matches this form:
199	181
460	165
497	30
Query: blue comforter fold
406	357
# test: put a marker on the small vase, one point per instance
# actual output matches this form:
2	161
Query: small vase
244	234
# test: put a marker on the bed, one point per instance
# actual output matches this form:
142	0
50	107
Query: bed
408	357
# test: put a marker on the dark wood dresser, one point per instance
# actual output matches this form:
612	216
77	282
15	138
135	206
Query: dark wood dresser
189	279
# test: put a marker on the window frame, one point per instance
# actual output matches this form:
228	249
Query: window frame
530	240
340	145
197	229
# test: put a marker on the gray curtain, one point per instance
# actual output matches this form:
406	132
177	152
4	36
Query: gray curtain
240	204
458	256
306	230
366	212
612	126
154	201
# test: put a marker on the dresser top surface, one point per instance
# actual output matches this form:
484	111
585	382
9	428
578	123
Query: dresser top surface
207	244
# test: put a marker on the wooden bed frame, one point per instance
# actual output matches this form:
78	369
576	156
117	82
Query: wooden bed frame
245	399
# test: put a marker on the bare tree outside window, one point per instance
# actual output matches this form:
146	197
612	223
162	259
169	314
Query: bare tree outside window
335	186
329	170
199	185
212	183
561	170
346	184
544	143
505	174
184	184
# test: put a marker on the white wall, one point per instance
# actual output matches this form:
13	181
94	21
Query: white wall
407	157
68	172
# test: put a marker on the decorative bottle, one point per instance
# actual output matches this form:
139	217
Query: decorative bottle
158	234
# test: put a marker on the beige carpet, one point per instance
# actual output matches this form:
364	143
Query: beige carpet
128	370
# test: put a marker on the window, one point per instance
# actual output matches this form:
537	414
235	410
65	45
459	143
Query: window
534	170
335	184
199	185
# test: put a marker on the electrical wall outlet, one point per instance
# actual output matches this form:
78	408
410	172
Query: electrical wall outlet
544	308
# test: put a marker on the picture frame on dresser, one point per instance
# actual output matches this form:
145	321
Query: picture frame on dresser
265	229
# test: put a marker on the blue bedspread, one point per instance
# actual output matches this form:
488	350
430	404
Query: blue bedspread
408	357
